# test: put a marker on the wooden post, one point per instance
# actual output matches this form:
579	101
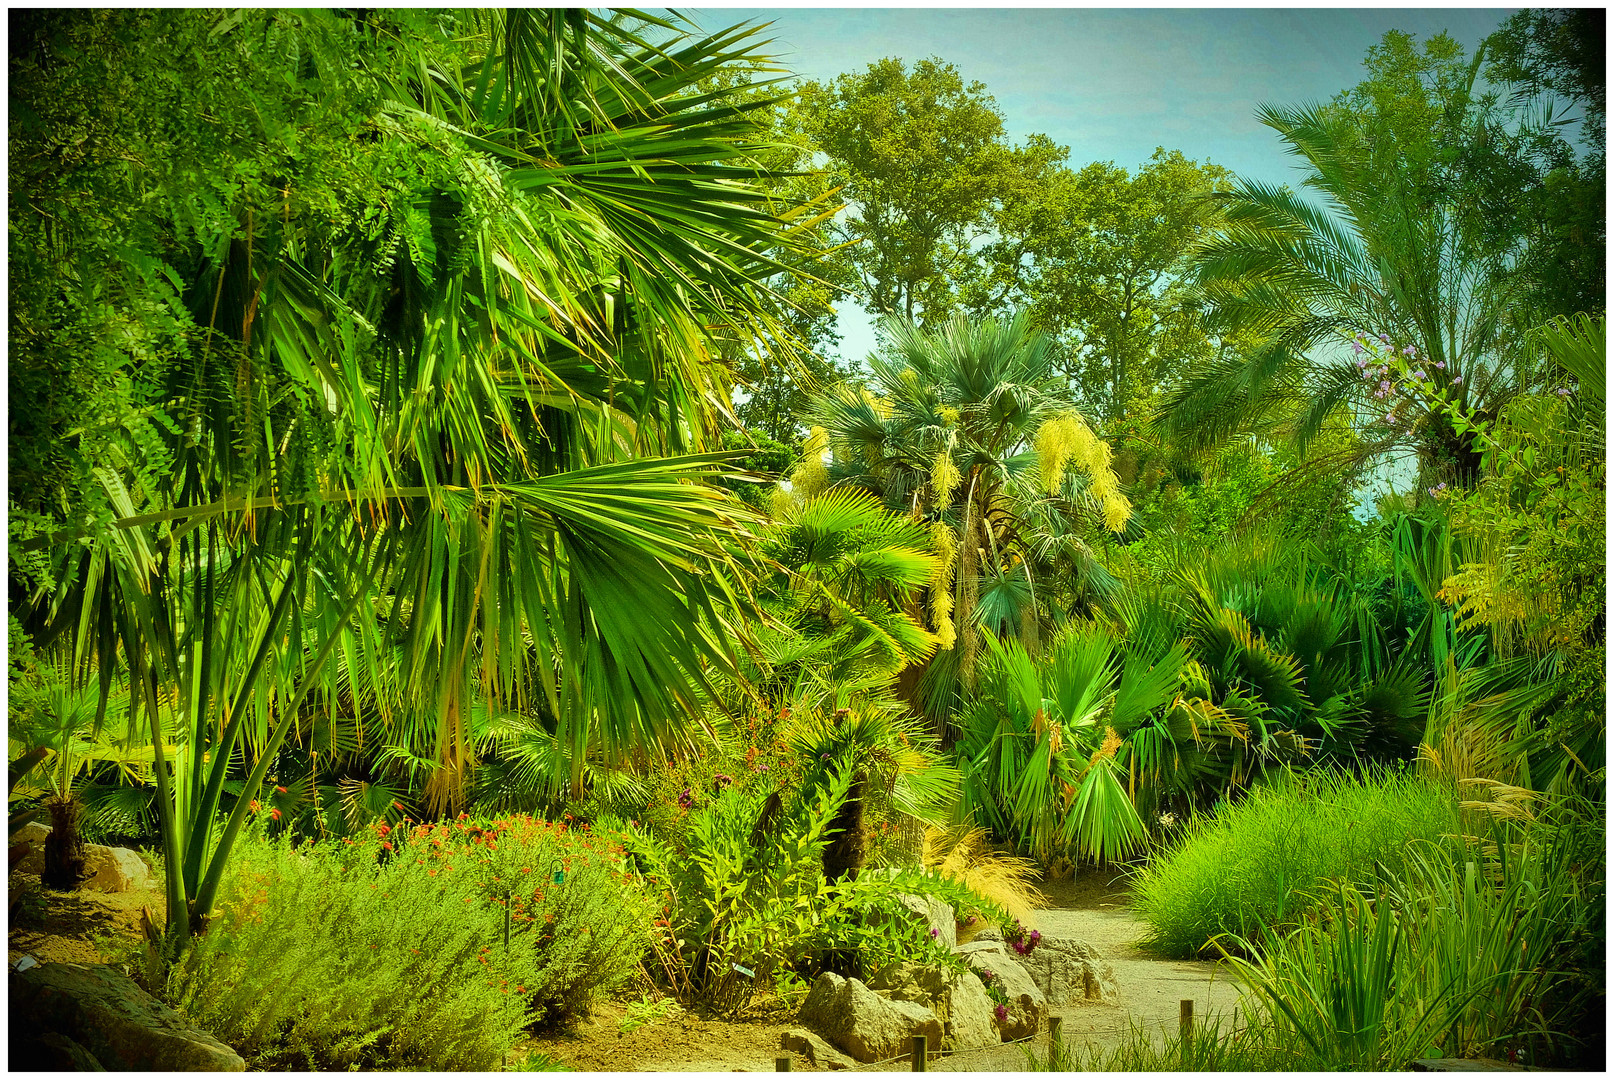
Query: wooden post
917	1054
1056	1021
1185	1017
781	1064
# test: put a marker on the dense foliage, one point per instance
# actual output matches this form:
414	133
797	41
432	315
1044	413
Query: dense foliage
418	414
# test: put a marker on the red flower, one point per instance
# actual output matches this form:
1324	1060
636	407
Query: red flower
275	814
281	790
386	845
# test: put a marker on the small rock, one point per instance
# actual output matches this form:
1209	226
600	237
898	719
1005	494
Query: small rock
818	1053
934	914
959	1001
988	932
110	869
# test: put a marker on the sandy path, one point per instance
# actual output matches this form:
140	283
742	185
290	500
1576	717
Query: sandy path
1150	988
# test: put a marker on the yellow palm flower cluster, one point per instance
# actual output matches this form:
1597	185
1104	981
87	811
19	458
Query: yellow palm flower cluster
941	592
944	476
810	476
1066	440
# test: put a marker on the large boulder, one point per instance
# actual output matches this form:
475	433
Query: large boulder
934	914
1069	971
862	1023
49	1052
110	869
1027	1005
959	1001
126	1029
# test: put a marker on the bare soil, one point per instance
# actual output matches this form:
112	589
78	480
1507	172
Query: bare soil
80	926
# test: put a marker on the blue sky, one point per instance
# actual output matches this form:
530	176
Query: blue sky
1113	84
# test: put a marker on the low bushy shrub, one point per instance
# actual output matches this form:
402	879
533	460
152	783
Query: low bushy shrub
394	951
1256	865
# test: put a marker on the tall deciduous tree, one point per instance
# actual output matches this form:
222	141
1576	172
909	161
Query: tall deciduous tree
1099	258
1540	53
923	159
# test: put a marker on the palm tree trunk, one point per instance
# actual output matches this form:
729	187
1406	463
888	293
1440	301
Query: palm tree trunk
64	847
848	847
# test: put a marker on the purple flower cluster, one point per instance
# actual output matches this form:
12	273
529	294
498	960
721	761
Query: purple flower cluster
1438	489
1021	940
721	781
1001	1012
687	799
1399	383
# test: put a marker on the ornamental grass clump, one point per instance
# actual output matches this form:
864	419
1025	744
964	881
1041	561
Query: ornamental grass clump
1257	865
394	950
1455	955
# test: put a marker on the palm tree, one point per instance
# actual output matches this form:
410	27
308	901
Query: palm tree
421	443
966	428
1379	252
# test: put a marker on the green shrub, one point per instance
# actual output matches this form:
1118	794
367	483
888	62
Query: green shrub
390	951
1256	865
